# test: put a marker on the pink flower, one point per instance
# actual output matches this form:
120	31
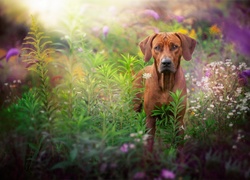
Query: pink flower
152	13
208	73
139	175
124	148
105	31
12	52
179	18
167	174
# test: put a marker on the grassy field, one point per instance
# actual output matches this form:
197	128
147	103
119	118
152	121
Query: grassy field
72	116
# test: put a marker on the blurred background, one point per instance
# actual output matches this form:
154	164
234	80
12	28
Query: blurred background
66	73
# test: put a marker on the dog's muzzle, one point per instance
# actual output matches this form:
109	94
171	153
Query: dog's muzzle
166	65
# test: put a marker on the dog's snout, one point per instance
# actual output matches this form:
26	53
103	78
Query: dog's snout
166	62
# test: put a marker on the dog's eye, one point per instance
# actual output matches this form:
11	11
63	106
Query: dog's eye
157	48
174	47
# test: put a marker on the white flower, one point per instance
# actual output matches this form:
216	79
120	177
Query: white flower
231	124
234	147
198	83
80	49
131	146
146	75
132	134
187	137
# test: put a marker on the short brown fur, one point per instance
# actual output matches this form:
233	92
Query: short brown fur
166	74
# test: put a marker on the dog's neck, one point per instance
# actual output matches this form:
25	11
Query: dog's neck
166	81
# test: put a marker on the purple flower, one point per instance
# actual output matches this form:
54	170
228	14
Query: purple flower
179	18
105	31
103	167
124	148
239	35
139	175
167	174
156	30
12	52
152	13
208	73
243	76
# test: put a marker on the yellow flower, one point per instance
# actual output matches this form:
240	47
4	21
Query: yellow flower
183	31
192	34
214	30
192	113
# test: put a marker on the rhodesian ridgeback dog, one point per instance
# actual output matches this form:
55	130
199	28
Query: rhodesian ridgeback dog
163	76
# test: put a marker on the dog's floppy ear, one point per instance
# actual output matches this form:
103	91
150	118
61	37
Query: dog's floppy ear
146	46
188	44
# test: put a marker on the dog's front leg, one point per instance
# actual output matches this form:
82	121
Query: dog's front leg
150	124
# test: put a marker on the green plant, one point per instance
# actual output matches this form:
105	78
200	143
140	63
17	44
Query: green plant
37	55
168	125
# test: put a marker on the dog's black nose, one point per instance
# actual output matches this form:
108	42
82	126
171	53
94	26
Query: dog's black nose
166	62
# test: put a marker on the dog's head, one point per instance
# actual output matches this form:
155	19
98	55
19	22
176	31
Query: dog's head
167	49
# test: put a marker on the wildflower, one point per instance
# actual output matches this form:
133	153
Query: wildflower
183	31
231	125
179	19
137	140
103	167
214	30
145	137
156	30
80	49
124	148
234	147
243	76
242	66
131	146
132	134
192	34
139	175
167	174
198	83
207	73
152	13
146	75
12	52
187	137
105	31
231	32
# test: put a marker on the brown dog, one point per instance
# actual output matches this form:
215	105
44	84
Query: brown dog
163	76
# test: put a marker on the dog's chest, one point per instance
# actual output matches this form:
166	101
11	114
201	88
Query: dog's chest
156	97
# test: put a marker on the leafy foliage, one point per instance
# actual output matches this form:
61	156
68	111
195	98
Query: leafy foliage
77	122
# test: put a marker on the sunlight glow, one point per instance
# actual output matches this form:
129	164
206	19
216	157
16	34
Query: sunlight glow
51	12
48	11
